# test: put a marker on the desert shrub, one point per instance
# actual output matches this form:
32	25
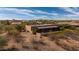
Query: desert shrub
72	27
9	27
20	27
19	39
34	30
40	42
2	28
13	32
26	47
3	41
66	26
67	45
36	48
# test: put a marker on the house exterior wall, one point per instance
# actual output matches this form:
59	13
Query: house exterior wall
28	28
37	29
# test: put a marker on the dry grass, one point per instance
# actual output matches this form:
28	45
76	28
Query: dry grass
68	44
56	41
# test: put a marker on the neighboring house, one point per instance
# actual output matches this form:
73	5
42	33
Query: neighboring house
16	21
38	22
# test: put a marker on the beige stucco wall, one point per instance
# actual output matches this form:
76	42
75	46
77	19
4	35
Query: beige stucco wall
28	28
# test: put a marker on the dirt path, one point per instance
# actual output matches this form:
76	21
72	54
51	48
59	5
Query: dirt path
13	44
51	45
73	36
4	34
27	36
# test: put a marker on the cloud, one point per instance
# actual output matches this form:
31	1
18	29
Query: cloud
72	10
42	17
17	11
71	13
41	12
46	13
25	13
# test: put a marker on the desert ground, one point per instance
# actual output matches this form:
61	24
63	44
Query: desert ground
66	39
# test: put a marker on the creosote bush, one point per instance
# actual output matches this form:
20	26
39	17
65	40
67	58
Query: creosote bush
3	41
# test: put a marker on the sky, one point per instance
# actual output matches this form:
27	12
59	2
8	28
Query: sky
33	13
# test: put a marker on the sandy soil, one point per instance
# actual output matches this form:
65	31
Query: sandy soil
31	42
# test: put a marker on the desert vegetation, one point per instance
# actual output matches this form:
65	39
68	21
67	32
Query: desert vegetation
14	37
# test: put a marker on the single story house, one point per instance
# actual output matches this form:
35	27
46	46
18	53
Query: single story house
41	28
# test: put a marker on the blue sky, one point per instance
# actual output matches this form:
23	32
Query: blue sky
28	13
